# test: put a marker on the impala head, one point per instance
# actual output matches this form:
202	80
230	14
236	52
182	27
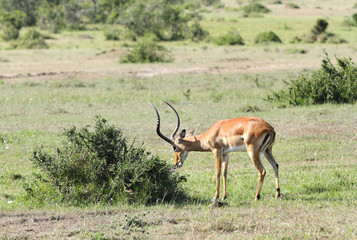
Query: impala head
177	143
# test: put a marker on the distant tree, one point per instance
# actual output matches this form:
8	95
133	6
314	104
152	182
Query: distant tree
29	7
57	14
108	11
73	14
51	16
167	21
12	22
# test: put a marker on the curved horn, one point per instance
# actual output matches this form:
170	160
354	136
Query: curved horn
158	127
178	122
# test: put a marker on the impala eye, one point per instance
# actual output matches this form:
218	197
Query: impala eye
174	147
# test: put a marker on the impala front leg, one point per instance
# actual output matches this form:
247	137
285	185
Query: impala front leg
218	157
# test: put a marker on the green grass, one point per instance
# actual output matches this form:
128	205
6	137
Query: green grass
34	113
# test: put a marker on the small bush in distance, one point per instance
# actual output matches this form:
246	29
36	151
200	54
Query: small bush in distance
318	34
196	32
351	22
255	7
265	37
354	19
112	33
231	38
330	84
9	33
147	51
32	39
101	166
319	27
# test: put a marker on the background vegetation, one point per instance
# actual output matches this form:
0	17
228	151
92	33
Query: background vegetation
330	84
80	75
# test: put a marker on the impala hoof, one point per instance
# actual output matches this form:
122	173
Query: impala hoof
257	197
277	194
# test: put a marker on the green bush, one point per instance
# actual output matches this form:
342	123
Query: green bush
147	51
167	21
267	37
196	32
255	8
330	84
28	8
319	27
101	166
32	39
318	34
9	33
51	17
13	22
354	19
112	33
231	38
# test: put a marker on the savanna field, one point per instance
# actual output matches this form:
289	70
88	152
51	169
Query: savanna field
82	74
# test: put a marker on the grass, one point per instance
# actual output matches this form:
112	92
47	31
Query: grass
315	145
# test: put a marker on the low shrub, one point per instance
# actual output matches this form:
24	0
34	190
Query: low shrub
101	166
319	27
265	37
147	51
350	21
9	32
330	84
354	19
318	34
231	38
196	32
112	33
32	39
255	8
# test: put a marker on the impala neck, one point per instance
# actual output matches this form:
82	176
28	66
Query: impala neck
196	143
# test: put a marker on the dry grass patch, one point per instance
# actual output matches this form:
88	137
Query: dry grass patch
279	220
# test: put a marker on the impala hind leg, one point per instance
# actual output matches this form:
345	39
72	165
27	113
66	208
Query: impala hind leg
225	168
255	155
219	158
268	154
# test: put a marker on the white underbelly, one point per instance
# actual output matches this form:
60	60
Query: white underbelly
240	148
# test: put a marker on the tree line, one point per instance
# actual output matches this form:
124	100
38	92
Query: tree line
167	19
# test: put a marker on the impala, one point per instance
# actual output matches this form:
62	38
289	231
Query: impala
251	134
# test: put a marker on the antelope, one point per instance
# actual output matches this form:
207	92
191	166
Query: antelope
251	134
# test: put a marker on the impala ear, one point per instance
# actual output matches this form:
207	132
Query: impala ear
182	133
